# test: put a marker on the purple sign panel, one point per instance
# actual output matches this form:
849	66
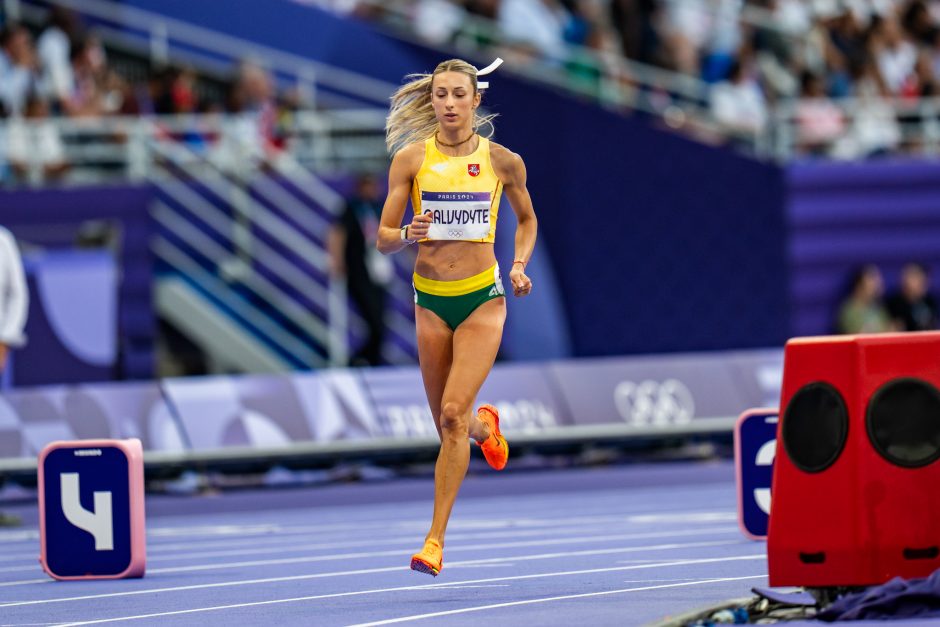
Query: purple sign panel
274	411
526	401
668	391
30	419
271	410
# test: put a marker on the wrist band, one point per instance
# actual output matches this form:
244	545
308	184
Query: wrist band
524	264
404	235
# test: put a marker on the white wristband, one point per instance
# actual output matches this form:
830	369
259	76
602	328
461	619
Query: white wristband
404	235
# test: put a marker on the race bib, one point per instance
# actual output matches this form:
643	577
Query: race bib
457	215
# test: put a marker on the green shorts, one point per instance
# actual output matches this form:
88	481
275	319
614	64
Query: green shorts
454	301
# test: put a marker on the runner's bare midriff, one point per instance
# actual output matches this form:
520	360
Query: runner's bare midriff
453	260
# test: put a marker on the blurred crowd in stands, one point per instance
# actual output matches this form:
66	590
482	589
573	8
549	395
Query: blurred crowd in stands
750	54
866	309
750	60
62	70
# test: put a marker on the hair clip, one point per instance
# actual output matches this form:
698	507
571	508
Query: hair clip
488	69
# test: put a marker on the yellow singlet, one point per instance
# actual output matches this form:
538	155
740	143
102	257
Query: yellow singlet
461	194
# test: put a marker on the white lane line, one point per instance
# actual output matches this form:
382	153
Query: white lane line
369	571
489	562
403	619
390	553
21	535
406	541
23	582
262	546
683	518
18	569
405	588
466	524
277	533
584	595
155	534
476	549
635	509
490	585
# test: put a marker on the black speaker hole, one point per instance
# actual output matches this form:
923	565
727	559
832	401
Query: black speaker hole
815	427
814	558
930	553
903	421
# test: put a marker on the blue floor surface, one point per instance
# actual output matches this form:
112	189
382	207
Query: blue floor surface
609	546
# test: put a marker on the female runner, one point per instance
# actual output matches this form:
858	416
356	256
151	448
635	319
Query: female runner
455	178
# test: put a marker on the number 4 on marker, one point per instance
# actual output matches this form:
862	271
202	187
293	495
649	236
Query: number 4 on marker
98	523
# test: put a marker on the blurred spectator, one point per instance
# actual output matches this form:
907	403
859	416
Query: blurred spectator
88	64
919	23
924	83
487	9
819	120
687	28
912	308
18	68
172	91
253	103
14	306
635	22
54	48
176	93
34	147
367	272
535	25
795	17
894	55
14	298
723	46
775	47
847	35
597	45
862	310
437	21
738	103
935	55
874	129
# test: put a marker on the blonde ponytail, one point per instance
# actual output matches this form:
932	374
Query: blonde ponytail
411	116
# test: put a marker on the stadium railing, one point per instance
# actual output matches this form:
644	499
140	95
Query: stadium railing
869	126
162	40
680	101
243	232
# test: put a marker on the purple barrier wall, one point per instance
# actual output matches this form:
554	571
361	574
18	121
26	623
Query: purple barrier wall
53	219
272	411
668	391
524	395
842	215
72	326
672	393
30	419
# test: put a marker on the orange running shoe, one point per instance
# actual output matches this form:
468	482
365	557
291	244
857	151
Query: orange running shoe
430	560
495	448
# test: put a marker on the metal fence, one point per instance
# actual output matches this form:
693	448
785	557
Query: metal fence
243	231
